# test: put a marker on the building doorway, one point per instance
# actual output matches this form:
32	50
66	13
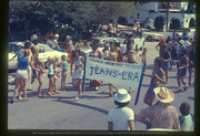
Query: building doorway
174	23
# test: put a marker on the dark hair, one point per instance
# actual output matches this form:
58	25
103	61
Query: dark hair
159	61
165	46
117	44
35	42
27	45
121	104
185	108
26	53
129	44
183	52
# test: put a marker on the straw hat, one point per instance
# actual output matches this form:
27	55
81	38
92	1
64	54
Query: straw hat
34	37
164	95
122	96
19	43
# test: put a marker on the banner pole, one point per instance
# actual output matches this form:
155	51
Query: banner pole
140	84
84	71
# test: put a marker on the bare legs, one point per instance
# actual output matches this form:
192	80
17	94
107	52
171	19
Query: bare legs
110	88
63	82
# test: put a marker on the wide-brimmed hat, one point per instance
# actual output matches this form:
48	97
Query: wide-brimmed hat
164	95
122	96
34	37
19	43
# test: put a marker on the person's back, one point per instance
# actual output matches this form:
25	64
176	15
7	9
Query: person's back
120	117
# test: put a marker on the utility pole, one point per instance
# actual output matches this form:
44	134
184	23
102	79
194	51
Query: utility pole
167	16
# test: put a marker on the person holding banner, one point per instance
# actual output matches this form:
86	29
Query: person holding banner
112	57
157	77
96	53
77	74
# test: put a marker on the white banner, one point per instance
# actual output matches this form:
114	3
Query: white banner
124	74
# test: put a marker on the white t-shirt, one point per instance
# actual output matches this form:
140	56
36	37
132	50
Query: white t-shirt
120	117
54	44
186	44
48	42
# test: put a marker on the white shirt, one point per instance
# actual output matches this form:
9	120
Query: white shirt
48	42
120	117
186	44
54	44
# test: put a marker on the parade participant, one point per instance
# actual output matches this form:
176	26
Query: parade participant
50	76
112	57
106	52
49	41
19	52
96	53
22	75
191	61
56	74
157	77
185	119
136	26
174	50
185	43
166	58
69	47
55	42
118	51
162	114
64	67
183	64
144	57
35	52
121	117
111	29
131	54
39	77
160	45
77	74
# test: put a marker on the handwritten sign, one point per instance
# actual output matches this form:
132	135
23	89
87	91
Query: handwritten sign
124	74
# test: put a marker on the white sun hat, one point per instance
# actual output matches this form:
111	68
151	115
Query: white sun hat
164	95
122	96
34	37
19	43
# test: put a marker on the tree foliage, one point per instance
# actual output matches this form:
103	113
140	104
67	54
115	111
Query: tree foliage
67	17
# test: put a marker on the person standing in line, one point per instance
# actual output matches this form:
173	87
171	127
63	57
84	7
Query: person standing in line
183	64
186	118
121	117
160	45
65	69
19	52
39	77
50	76
55	42
21	75
69	47
166	58
112	57
191	61
157	77
35	58
56	73
161	115
77	74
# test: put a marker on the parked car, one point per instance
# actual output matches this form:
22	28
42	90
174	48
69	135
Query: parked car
139	43
147	34
44	53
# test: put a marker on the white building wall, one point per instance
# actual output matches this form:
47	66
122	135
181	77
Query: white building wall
149	6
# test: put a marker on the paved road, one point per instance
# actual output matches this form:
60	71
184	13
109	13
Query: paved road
63	112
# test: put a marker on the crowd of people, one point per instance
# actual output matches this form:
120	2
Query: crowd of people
175	50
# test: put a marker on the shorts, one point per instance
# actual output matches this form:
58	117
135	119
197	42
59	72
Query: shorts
151	88
64	72
22	74
50	76
166	65
77	74
35	73
182	72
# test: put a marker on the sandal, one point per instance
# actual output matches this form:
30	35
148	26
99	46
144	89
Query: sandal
58	92
25	99
52	92
110	95
49	93
40	95
20	98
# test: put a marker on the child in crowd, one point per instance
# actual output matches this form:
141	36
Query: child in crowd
50	75
166	57
65	68
39	77
56	74
157	77
185	119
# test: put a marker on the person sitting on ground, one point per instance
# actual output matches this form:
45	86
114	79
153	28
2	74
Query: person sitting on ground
121	117
162	114
185	119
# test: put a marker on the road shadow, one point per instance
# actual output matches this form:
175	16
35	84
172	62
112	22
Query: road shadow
84	106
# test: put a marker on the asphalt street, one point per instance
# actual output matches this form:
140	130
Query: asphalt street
63	112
